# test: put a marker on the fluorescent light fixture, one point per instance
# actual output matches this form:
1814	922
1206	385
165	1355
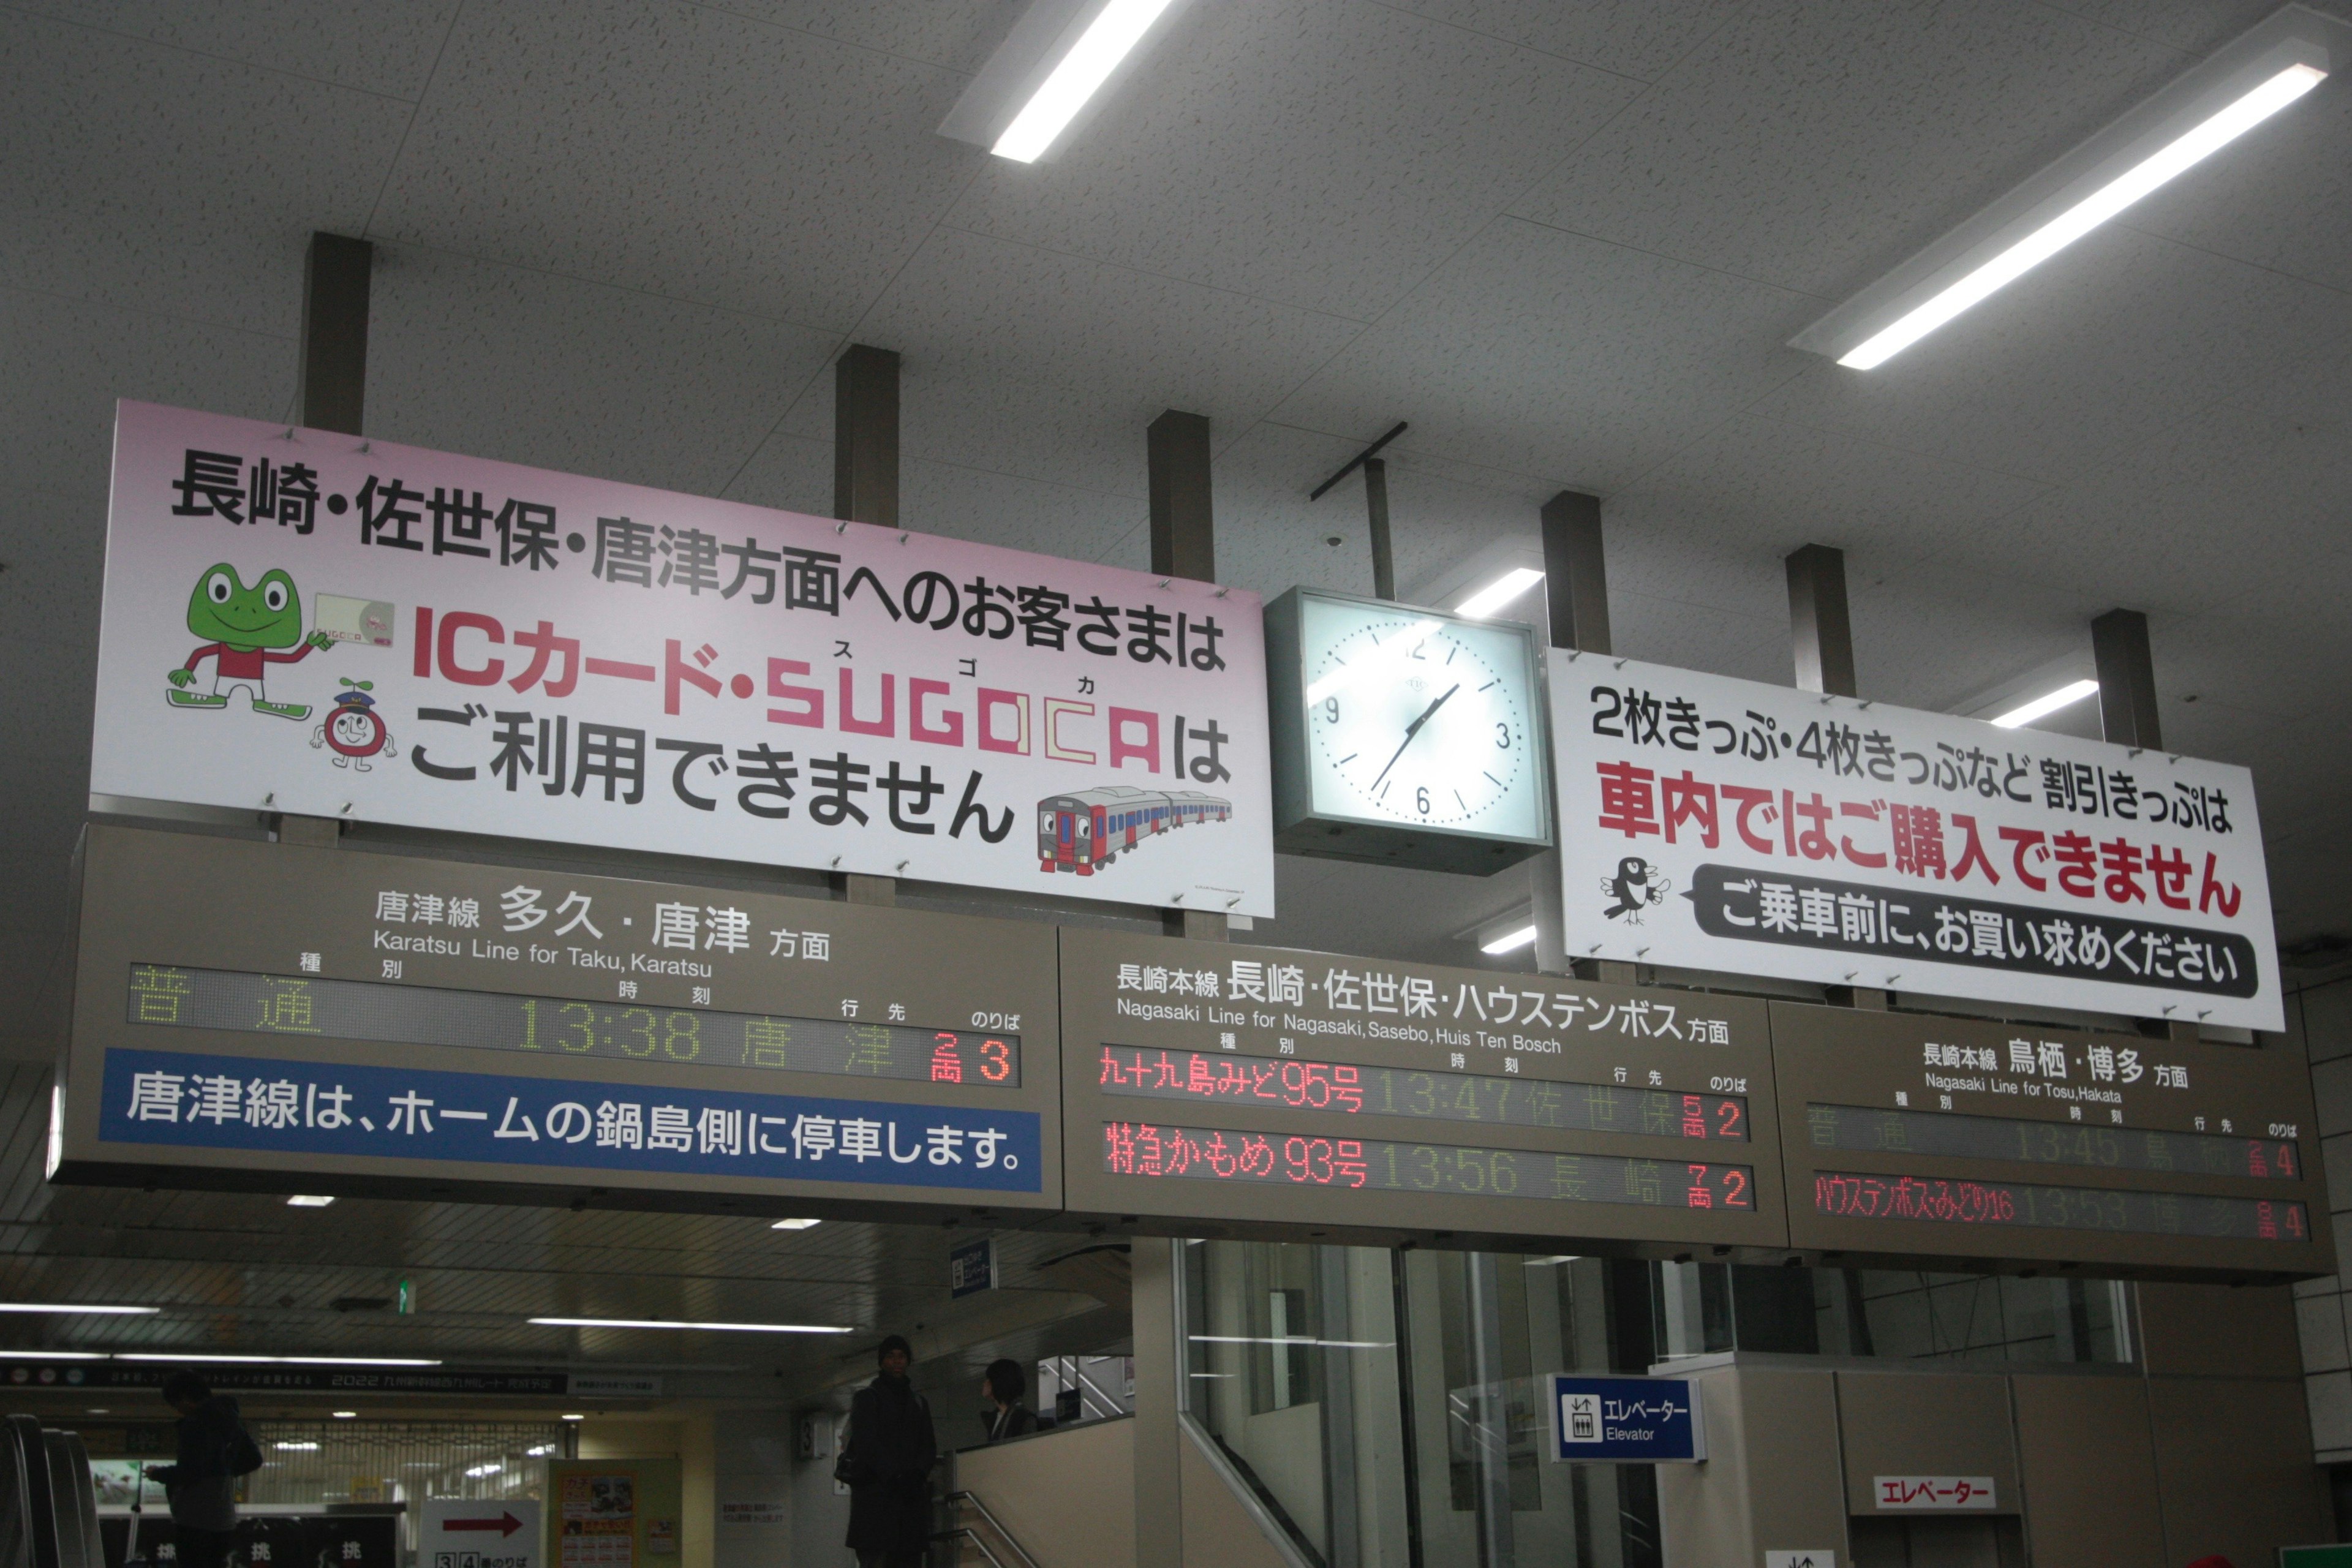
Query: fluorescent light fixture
1108	39
1379	661
2043	707
71	1307
796	1224
539	1451
1292	1340
308	1201
1051	71
280	1360
52	1355
475	1472
1510	941
1498	592
346	1414
1547	1262
2198	114
714	1328
296	1447
574	1415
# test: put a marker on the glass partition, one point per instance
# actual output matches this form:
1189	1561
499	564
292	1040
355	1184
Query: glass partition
1384	1405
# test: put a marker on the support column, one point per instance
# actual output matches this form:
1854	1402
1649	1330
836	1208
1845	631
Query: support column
1184	544
1821	637
2126	672
1376	512
1183	521
1158	1398
866	489
331	385
865	435
330	391
1576	577
2128	716
1576	601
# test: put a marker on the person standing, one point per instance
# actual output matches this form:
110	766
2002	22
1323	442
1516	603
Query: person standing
1005	1415
887	1464
215	1449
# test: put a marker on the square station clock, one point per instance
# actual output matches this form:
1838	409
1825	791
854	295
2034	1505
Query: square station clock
1404	736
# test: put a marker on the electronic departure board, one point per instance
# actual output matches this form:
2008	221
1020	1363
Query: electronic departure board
1914	1138
1213	1088
283	1016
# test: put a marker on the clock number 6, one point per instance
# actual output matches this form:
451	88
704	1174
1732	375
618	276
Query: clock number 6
1421	799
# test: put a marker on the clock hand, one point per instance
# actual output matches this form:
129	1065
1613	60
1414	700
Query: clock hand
1414	729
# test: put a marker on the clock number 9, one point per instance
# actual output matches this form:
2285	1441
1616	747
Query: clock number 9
1331	709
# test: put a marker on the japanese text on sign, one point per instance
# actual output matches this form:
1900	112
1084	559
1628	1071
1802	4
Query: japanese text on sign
377	632
1731	825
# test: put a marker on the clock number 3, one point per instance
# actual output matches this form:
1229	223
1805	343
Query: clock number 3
1503	736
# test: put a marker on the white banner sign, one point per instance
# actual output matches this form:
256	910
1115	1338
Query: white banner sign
1724	824
305	622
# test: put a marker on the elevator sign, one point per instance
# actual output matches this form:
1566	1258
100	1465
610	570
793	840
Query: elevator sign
1626	1420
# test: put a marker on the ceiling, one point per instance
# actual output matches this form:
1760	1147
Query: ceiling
1567	239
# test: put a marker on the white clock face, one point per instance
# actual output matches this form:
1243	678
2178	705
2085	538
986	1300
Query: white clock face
1412	718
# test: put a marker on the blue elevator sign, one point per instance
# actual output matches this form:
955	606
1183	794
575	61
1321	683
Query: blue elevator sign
1626	1420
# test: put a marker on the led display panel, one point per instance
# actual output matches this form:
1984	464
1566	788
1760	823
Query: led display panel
1219	1090
272	1015
1915	1139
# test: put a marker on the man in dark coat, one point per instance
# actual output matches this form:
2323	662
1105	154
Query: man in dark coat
889	1463
1005	1415
214	1451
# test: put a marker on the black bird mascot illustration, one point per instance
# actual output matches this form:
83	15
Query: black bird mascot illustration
1636	886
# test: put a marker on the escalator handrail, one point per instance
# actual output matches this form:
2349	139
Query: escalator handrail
981	1509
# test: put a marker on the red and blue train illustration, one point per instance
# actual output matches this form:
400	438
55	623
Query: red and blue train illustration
1093	828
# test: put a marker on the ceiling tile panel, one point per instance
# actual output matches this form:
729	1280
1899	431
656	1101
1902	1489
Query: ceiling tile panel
679	150
1816	144
153	179
1636	37
1139	341
1325	155
534	367
1546	352
383	46
959	35
2225	503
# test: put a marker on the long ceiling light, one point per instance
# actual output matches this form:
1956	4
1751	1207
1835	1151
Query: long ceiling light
1112	38
1498	592
279	1360
1510	941
74	1307
668	1323
2043	705
1056	62
2194	117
